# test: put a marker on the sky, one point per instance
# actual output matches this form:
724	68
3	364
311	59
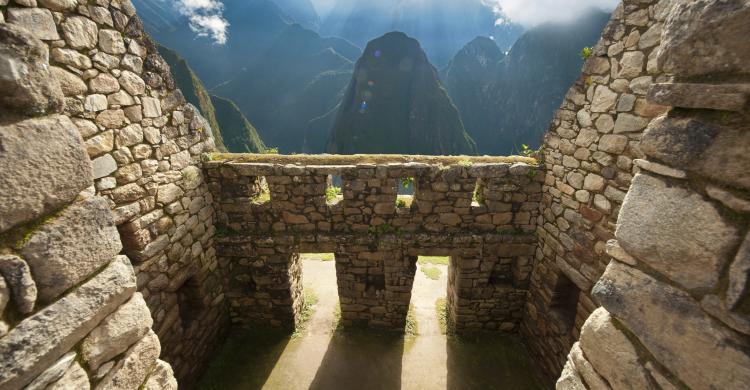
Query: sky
207	16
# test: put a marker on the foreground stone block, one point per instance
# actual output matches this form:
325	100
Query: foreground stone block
68	249
671	325
117	332
44	166
652	228
161	378
707	36
74	378
611	353
38	341
25	79
17	274
130	372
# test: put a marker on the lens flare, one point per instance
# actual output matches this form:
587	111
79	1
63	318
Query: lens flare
378	53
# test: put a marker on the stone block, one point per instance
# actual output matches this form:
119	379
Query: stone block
706	37
611	353
121	329
67	249
27	83
674	329
130	372
652	228
80	32
74	378
38	21
40	340
161	377
44	166
702	145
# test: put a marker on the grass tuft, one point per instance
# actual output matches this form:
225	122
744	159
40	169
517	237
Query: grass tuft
432	272
441	306
438	260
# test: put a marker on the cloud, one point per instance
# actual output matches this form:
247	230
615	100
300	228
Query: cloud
206	18
530	13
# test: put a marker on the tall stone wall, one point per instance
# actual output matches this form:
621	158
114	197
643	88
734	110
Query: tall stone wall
590	153
144	142
70	316
675	294
376	243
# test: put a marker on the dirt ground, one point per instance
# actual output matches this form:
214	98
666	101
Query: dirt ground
322	357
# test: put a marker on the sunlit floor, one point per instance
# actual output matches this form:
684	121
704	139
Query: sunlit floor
323	357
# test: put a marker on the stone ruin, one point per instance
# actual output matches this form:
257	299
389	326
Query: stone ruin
621	259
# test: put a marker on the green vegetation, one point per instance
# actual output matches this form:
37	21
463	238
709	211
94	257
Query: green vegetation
332	193
441	260
308	308
411	328
407	182
271	151
239	135
404	201
441	306
586	52
431	272
318	256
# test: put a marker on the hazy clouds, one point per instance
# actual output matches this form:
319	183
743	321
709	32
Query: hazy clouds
206	18
530	13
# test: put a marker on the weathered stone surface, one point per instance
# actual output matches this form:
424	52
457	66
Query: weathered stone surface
726	97
569	379
80	32
59	5
728	198
702	145
738	274
660	169
110	41
95	103
70	84
615	250
71	58
17	275
38	341
611	353
37	21
74	378
121	329
104	83
613	143
652	228
704	37
688	342
628	123
28	85
151	107
161	377
38	176
587	372
103	166
130	372
631	64
64	251
168	193
53	373
604	99
112	119
130	135
132	83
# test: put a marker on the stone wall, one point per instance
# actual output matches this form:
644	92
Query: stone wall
70	316
144	143
589	152
675	294
375	242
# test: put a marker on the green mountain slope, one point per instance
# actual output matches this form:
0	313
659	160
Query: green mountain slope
239	135
509	100
396	104
194	91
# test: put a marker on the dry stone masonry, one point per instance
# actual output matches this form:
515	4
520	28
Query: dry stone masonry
376	243
622	257
88	104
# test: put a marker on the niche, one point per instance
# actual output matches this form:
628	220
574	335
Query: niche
564	302
375	284
189	302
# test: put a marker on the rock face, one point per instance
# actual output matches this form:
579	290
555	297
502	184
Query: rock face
396	104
